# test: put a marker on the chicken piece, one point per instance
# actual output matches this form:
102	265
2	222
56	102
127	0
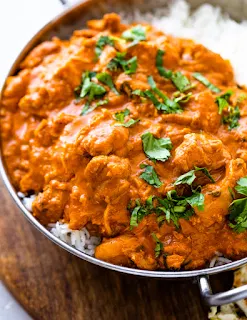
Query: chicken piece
103	168
217	197
103	140
49	205
16	88
200	150
125	250
47	132
201	112
116	217
110	21
37	55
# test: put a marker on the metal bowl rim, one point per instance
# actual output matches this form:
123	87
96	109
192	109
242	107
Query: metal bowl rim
65	246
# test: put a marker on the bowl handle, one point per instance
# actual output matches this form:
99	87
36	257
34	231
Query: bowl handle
218	299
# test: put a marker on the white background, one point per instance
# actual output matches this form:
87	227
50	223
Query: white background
19	21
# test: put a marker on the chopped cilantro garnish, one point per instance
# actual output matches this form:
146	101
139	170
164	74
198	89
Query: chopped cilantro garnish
180	81
135	34
158	247
89	89
167	105
242	186
170	208
156	149
106	78
140	211
86	109
238	208
222	100
189	177
120	116
159	65
101	43
238	215
198	76
150	176
119	62
182	97
129	123
232	118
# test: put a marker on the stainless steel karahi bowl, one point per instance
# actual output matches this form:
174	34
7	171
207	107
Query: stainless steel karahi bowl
63	26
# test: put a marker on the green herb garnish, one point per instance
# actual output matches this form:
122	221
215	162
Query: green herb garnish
198	76
140	211
150	176
222	100
120	116
156	149
106	78
232	118
189	177
158	247
242	186
182	97
90	90
170	208
129	123
101	43
135	34
238	208
167	105
180	81
86	109
159	65
119	62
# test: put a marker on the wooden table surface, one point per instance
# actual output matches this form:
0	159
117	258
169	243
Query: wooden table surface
53	284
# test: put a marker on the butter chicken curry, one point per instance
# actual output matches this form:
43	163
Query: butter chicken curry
136	135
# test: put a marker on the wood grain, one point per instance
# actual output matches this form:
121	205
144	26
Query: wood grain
52	284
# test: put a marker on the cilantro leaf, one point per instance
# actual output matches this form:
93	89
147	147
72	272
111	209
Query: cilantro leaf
238	208
183	98
89	89
101	43
196	200
158	247
198	76
159	65
180	81
222	100
106	78
242	186
150	176
129	66
189	177
156	149
238	215
232	118
140	211
129	123
168	105
120	116
86	109
135	34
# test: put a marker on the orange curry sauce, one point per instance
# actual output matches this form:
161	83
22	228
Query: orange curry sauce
85	168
